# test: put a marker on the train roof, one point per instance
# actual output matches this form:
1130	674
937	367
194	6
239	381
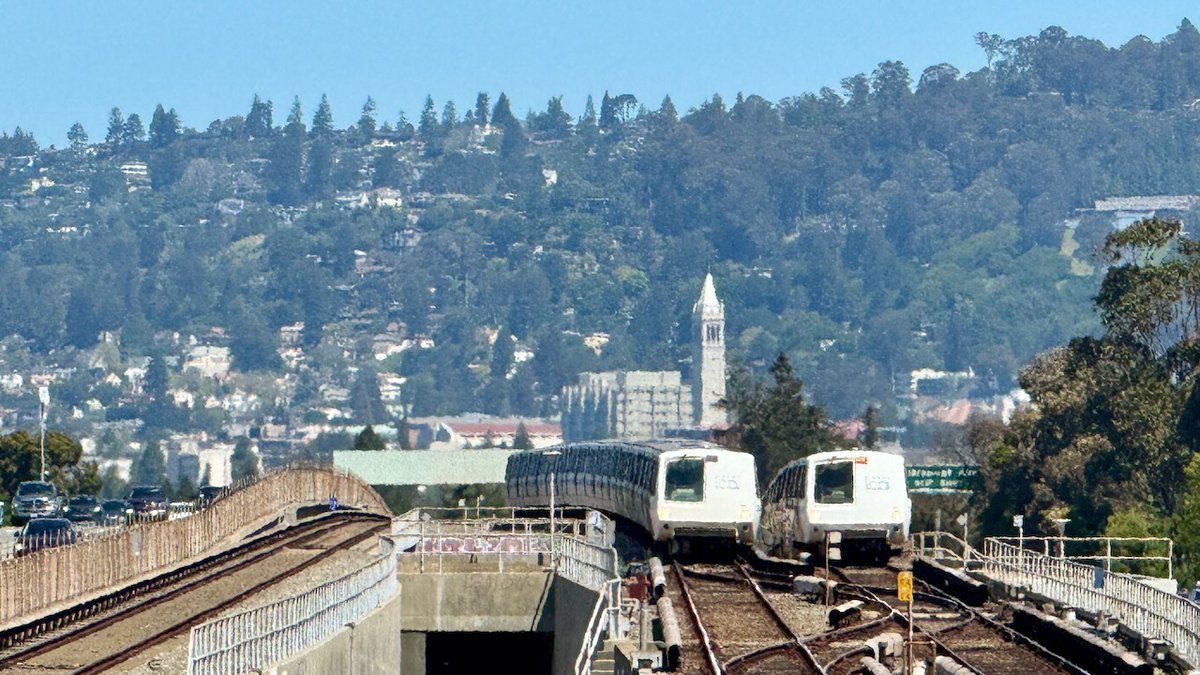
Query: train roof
652	446
841	454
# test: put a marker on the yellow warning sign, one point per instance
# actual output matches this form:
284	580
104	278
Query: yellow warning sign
904	586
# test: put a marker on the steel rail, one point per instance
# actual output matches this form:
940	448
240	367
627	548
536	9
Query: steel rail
88	608
198	617
255	551
797	640
1005	631
705	640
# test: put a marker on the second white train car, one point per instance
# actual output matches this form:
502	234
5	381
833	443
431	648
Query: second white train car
860	493
676	490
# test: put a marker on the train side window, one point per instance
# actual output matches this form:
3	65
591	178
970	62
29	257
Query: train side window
774	492
685	480
835	483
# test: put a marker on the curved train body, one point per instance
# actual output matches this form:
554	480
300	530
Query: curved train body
860	493
674	489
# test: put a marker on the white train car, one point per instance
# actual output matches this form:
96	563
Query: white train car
674	489
860	493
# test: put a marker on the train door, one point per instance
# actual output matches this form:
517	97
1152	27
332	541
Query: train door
826	497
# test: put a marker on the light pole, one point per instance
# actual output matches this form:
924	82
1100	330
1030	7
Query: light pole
553	455
1062	534
1019	523
43	402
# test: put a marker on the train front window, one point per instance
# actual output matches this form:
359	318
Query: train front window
685	480
835	483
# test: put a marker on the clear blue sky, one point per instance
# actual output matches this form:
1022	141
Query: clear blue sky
73	60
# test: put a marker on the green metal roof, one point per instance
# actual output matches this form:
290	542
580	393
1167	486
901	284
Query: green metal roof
424	467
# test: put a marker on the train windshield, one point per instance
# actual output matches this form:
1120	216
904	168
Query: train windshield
685	480
835	483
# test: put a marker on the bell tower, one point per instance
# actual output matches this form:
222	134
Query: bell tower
708	358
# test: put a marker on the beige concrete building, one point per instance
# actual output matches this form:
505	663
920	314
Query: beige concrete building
648	404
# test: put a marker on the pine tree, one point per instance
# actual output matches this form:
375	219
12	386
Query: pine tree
287	161
428	126
322	121
513	142
404	128
521	440
667	112
77	136
319	178
366	121
449	117
116	127
244	461
608	113
367	439
258	120
481	109
133	131
150	468
164	127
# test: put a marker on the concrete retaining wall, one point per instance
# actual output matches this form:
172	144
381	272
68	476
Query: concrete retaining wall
371	646
510	602
573	605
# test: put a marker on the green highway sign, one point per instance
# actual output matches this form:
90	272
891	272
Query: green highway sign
941	478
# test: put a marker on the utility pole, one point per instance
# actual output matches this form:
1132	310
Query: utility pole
43	403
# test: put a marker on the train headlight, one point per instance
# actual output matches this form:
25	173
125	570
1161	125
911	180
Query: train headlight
896	517
664	514
814	516
744	514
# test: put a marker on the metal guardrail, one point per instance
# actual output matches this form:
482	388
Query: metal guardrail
571	551
31	585
1160	550
255	639
1151	612
945	548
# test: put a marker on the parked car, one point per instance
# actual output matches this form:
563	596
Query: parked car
115	512
149	502
36	499
207	494
43	533
83	509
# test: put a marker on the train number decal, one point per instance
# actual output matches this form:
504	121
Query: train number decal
728	482
878	483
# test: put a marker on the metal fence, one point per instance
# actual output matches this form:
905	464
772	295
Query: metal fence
574	550
253	640
1143	555
32	584
1151	612
499	539
945	548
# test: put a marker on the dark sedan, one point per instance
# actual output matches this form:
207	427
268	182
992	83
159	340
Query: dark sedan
43	533
115	512
149	502
82	509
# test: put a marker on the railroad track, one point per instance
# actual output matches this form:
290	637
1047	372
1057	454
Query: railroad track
943	626
737	628
111	638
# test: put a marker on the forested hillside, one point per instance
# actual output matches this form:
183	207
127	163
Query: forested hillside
906	220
